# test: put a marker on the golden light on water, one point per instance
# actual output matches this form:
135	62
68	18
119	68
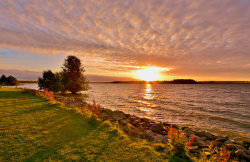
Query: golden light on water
148	90
149	73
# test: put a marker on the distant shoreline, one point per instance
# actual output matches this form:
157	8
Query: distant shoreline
170	82
155	82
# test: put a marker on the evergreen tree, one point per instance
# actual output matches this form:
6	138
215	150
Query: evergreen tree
73	77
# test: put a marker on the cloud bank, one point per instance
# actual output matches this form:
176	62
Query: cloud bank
197	38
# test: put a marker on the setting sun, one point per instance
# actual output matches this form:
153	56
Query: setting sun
149	73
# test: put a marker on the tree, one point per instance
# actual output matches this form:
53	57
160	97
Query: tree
11	80
50	81
73	77
3	80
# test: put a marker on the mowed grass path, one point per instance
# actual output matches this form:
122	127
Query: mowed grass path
33	129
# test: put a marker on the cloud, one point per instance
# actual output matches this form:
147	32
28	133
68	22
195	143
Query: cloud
34	75
194	34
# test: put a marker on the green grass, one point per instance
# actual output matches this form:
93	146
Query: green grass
33	129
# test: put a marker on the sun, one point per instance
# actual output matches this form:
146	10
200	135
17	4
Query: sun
148	73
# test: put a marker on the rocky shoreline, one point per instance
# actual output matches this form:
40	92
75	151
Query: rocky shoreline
157	131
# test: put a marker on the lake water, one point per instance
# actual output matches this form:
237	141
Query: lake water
219	108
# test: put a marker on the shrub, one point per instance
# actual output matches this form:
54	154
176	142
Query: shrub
215	154
94	108
44	94
178	144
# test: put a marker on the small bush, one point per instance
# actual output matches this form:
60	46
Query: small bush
178	144
216	154
44	94
95	109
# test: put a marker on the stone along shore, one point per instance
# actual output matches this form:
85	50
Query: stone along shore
157	131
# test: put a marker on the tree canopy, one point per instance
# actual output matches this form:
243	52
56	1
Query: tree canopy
9	81
74	79
71	78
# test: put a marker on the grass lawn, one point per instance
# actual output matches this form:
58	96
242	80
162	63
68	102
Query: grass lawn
33	129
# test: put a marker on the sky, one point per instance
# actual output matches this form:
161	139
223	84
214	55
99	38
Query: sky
198	39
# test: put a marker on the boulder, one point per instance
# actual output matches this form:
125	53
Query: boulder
158	128
128	128
208	135
242	155
188	131
194	149
147	134
146	125
105	114
124	121
217	143
166	124
118	115
228	142
200	143
136	123
222	139
246	144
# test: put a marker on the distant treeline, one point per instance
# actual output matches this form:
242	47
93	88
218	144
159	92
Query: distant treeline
8	81
28	81
175	81
183	81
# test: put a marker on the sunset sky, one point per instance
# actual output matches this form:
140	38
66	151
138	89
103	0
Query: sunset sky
198	39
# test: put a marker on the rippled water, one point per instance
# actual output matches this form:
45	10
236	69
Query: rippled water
219	108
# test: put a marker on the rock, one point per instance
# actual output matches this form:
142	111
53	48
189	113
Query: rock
194	149
203	138
123	121
232	147
222	139
147	134
105	115
232	154
158	138
166	124
144	120
217	143
146	125
128	128
158	128
165	139
242	155
228	142
189	132
118	115
236	147
208	135
201	143
136	123
246	145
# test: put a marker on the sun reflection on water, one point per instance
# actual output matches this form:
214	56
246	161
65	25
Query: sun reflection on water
148	92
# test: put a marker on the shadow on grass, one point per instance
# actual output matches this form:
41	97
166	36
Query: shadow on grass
9	94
